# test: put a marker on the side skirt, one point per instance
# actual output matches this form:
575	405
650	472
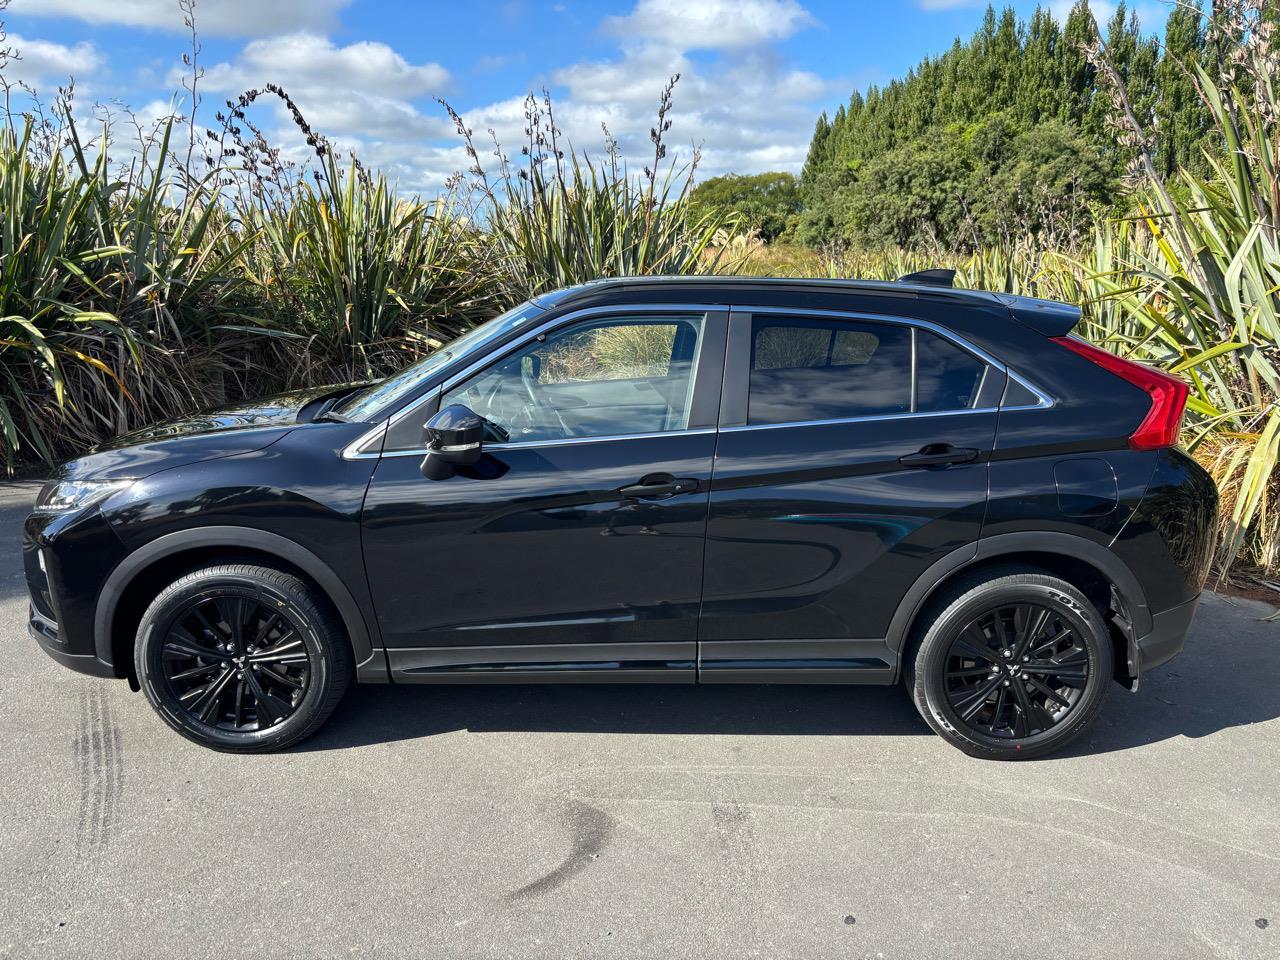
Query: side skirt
722	661
796	661
547	663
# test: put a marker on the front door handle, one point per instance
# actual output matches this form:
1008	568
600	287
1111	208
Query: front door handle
657	486
939	455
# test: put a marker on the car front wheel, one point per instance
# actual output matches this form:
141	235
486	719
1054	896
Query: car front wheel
242	658
1012	667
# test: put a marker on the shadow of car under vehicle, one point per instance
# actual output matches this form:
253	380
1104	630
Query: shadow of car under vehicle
1226	677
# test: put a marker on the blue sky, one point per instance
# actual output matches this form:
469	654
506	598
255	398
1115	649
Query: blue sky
755	73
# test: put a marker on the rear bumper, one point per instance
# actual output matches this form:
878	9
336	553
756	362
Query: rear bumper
1168	632
45	633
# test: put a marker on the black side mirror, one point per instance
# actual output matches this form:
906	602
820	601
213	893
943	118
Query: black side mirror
452	438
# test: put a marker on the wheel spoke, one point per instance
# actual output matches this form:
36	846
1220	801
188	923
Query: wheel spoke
1051	643
282	678
1033	714
292	652
1001	697
181	643
265	629
274	707
196	671
231	609
1057	670
1049	692
240	686
1036	620
202	706
208	625
968	705
976	651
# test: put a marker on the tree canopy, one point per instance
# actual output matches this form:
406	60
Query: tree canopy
1002	135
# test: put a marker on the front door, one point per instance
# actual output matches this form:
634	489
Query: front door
853	453
574	549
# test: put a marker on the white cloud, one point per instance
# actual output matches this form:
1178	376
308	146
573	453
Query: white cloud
235	18
710	24
744	106
43	62
1151	16
365	87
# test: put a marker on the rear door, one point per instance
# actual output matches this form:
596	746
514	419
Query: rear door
853	453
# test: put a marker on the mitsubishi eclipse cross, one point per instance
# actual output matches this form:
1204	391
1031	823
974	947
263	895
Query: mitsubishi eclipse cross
661	480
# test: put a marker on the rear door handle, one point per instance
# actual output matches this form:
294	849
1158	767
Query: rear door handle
657	486
939	455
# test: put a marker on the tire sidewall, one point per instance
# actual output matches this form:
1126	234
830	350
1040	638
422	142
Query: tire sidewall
173	600
929	682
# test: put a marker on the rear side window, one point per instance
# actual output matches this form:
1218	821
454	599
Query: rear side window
827	370
805	369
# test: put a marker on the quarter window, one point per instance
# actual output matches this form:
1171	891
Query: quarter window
947	377
607	377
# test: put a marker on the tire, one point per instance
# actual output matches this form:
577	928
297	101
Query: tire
242	658
959	669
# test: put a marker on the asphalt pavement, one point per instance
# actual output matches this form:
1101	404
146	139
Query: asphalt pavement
565	821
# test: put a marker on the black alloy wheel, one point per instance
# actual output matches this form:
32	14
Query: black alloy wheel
1016	671
1010	664
242	657
235	664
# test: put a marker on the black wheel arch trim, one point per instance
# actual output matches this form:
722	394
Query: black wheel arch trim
113	589
1006	544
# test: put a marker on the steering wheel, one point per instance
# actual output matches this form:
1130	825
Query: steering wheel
527	382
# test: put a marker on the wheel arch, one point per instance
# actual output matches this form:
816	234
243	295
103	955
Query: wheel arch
1074	558
159	561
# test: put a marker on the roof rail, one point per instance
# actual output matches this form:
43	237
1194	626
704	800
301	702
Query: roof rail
932	278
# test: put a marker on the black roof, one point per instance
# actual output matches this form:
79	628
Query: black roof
1048	316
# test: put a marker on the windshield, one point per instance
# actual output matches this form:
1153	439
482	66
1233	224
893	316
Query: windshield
369	402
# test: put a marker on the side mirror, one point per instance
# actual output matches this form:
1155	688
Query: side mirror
452	438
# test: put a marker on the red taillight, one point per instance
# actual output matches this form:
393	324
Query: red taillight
1160	427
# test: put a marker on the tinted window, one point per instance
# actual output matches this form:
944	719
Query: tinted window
826	369
947	378
598	378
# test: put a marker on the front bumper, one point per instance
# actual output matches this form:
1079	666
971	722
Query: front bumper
66	558
45	633
1168	632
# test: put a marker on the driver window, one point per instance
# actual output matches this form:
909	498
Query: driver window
599	378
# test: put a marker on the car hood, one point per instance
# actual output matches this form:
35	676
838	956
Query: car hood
222	432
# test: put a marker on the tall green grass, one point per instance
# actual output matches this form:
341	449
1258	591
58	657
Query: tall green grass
132	294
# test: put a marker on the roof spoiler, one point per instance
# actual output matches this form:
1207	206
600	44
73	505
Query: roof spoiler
933	278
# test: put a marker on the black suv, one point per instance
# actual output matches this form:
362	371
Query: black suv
675	480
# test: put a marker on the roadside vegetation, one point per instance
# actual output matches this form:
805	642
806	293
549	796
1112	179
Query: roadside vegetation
1134	176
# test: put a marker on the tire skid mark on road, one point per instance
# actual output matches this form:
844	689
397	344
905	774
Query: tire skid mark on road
99	758
735	829
763	772
590	830
734	824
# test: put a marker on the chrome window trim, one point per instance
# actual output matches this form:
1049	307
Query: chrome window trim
354	451
1044	400
565	441
867	419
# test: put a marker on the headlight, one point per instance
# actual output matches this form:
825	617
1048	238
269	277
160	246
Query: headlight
64	496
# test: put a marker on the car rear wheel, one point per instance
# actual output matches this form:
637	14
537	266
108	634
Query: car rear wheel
1011	667
242	658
